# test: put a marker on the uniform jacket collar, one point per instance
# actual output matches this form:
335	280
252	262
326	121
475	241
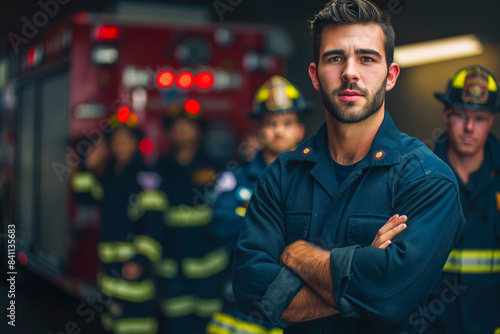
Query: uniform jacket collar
385	149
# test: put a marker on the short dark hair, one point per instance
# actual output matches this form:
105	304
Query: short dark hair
343	12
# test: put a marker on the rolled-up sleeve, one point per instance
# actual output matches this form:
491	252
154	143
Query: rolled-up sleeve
388	284
262	286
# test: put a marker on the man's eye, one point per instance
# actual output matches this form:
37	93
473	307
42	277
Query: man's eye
367	59
335	59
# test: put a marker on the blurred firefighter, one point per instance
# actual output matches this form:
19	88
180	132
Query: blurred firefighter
469	285
279	108
190	273
131	213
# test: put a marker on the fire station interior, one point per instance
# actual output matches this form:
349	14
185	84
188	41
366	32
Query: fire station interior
461	32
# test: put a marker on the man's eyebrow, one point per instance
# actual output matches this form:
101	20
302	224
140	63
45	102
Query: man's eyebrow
333	52
368	51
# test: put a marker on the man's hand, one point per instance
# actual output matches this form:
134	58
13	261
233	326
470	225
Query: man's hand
391	229
131	271
96	157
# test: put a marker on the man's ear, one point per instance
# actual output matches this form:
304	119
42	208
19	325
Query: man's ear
313	73
392	76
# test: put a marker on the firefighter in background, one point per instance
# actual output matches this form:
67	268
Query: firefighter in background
278	107
469	286
190	273
131	213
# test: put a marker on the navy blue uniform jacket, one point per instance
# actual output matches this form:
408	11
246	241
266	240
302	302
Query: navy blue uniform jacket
376	290
473	268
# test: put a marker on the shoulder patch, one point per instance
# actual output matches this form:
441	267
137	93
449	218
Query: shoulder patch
243	194
226	182
149	180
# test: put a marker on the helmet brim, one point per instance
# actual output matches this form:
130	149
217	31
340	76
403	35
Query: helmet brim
257	115
474	106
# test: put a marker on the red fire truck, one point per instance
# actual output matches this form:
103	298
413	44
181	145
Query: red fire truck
87	67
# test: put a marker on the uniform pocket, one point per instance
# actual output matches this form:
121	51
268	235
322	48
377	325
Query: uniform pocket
297	225
362	228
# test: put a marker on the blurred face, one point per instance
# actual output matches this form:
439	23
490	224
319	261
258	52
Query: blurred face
184	132
123	145
351	73
281	132
467	129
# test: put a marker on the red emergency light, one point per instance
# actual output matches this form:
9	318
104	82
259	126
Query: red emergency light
32	54
106	33
185	80
165	78
204	80
192	106
123	114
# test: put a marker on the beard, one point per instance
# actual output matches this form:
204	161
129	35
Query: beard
342	115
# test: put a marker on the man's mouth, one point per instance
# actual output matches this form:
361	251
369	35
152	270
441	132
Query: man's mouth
468	140
350	95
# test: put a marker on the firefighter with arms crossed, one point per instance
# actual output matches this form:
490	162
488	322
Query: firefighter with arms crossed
304	258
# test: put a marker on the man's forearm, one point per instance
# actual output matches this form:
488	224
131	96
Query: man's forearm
306	306
312	264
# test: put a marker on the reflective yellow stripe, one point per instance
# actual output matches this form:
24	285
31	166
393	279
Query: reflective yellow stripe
275	331
126	290
106	321
209	265
83	181
473	261
179	306
152	200
116	251
147	200
225	324
240	211
185	216
167	268
86	182
148	246
206	307
135	326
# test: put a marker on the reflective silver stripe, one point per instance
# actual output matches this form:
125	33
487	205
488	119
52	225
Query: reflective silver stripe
206	307
147	200
86	182
473	261
208	265
167	268
135	326
126	290
179	306
148	246
116	251
186	216
152	200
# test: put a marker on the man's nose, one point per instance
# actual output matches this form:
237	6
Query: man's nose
350	73
469	125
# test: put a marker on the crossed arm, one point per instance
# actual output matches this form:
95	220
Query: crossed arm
317	298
